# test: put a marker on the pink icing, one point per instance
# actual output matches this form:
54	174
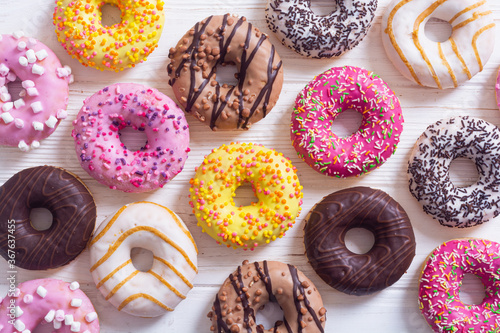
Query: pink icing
323	99
440	282
27	119
46	302
104	156
497	89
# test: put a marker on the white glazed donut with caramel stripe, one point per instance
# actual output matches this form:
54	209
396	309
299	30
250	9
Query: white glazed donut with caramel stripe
155	228
432	64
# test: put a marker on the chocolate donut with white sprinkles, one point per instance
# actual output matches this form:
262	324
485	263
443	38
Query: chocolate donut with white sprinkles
429	165
315	36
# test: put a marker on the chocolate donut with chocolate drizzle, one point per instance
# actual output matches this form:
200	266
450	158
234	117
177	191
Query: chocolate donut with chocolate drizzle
73	210
218	41
359	207
252	286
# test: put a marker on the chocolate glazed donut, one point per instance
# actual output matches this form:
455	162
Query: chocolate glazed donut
73	211
252	286
217	41
359	207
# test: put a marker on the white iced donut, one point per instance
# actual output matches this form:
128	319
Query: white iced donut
155	228
432	64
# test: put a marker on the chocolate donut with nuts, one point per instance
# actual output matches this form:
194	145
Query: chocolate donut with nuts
253	285
218	41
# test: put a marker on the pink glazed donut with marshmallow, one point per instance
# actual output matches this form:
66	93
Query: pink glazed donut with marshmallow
102	154
35	114
48	302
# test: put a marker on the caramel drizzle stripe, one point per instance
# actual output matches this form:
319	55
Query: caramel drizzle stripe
474	17
110	275
119	285
466	10
141	295
459	56
416	41
172	214
474	43
168	285
129	232
446	63
179	274
394	43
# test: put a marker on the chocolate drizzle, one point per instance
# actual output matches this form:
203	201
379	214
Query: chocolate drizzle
359	207
216	41
72	207
242	292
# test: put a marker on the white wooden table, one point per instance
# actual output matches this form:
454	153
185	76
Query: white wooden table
391	310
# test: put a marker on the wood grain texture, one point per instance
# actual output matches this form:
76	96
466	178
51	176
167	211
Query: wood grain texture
394	309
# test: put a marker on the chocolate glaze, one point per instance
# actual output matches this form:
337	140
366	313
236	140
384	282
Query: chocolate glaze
252	286
359	207
216	41
72	207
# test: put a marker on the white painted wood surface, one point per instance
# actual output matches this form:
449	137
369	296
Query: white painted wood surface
391	310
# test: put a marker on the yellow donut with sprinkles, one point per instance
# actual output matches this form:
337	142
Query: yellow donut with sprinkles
122	45
274	181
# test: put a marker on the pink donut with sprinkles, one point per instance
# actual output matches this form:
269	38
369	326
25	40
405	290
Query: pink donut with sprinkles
323	99
102	154
35	114
48	302
442	276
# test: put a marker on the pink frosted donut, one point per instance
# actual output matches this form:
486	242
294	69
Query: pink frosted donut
442	276
48	301
497	89
37	111
107	159
323	99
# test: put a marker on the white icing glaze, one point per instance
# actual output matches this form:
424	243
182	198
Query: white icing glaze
145	294
432	64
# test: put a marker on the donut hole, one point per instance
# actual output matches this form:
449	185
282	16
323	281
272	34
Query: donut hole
44	327
268	315
227	73
438	30
346	123
323	7
132	139
16	89
41	219
110	15
472	290
244	195
142	259
359	240
463	172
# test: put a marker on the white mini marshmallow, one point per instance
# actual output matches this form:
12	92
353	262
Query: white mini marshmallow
51	122
90	317
19	325
37	69
61	114
5	97
21	45
49	317
74	285
62	72
11	77
32	91
75	326
27	84
57	324
23	61
2	81
59	315
42	54
31	56
35	144
28	298
18	312
7	106
7	117
41	291
17	35
4	70
68	319
19	124
19	103
23	146
76	302
37	106
26	331
32	42
38	126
